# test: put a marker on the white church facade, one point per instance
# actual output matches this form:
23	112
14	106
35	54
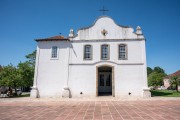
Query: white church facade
103	59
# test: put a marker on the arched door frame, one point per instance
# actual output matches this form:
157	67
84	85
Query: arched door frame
97	76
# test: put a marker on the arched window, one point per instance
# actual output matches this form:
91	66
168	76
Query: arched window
54	52
122	52
87	52
105	52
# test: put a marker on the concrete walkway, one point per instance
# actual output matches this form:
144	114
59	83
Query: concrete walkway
101	108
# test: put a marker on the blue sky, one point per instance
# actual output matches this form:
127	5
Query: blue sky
22	21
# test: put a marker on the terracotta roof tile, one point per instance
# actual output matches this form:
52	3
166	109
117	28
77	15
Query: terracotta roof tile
177	73
54	38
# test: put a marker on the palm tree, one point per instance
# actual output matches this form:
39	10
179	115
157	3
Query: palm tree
175	80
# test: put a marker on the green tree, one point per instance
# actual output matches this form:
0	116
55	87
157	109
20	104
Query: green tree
26	69
158	70
22	75
155	79
27	73
31	58
0	68
175	80
149	71
155	76
9	76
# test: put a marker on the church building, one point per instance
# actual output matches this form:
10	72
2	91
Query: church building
104	59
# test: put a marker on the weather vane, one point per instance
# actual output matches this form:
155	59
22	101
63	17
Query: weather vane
103	10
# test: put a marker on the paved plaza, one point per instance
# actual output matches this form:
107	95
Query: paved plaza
101	109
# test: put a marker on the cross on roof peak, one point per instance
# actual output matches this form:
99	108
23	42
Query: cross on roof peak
103	10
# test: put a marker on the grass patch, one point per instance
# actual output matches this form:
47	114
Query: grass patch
165	93
19	96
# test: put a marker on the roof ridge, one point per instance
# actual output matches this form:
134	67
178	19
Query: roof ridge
177	73
57	37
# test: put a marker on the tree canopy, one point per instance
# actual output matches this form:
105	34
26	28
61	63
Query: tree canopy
155	76
9	76
158	70
20	76
175	80
31	58
27	73
149	71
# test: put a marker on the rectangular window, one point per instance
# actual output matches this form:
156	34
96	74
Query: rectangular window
104	52
122	52
54	52
87	52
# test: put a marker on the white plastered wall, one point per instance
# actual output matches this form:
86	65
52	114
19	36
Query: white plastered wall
52	73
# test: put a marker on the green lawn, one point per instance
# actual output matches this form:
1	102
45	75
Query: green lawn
165	93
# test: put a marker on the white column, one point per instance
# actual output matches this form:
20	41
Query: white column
146	90
34	91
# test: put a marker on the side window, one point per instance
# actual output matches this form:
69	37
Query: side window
104	52
122	52
87	52
54	52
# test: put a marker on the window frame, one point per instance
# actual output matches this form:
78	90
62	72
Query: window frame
108	56
126	52
57	53
91	52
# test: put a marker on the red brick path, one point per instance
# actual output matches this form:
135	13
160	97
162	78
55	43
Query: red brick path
91	110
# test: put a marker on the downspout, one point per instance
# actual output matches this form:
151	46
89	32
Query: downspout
66	90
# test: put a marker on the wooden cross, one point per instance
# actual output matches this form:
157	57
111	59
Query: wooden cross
103	10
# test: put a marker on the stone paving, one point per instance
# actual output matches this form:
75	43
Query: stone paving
105	109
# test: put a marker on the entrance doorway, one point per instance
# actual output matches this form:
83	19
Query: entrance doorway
104	81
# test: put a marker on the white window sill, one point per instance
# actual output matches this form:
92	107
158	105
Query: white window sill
88	59
54	59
